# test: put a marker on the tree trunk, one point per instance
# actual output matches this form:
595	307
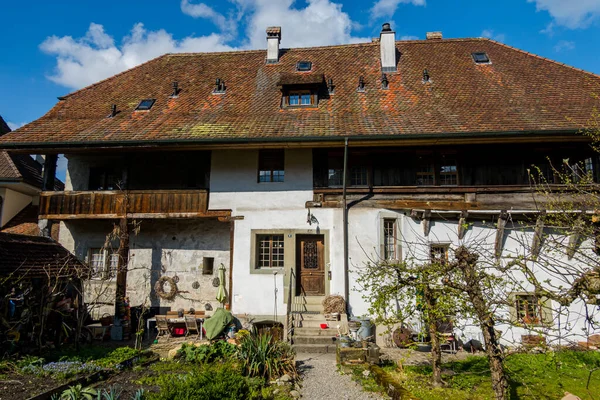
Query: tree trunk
121	290
436	351
467	263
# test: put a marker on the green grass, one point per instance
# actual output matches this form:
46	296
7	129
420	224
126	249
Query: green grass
531	376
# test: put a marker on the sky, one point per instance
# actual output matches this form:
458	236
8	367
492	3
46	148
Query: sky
51	48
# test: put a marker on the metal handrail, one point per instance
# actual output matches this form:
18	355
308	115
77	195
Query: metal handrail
289	321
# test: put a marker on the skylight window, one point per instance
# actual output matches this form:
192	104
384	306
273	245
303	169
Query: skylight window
481	58
303	66
145	105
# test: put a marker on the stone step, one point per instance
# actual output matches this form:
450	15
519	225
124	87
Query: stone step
309	317
310	323
315	332
319	339
314	348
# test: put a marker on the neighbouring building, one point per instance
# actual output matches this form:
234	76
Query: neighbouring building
20	186
294	167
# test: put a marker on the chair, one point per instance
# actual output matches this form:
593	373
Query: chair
191	324
448	339
163	326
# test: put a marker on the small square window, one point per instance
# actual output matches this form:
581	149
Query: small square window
425	175
481	58
208	265
529	309
439	253
303	66
271	166
448	172
299	99
103	262
145	104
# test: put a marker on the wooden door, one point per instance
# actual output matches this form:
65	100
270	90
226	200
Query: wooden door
310	259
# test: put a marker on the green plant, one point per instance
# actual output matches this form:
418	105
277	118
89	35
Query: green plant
140	394
116	356
207	353
30	361
79	393
262	356
111	394
213	381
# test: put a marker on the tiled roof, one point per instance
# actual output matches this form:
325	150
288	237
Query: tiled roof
26	223
35	256
516	92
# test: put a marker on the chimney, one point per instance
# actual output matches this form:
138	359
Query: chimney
434	35
387	45
273	39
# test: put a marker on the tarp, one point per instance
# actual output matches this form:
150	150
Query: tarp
215	324
221	294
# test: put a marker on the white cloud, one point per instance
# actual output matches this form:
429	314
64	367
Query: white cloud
80	62
201	10
409	37
387	8
15	125
95	56
572	14
490	34
564	45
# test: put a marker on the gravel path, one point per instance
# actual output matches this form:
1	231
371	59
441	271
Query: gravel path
322	381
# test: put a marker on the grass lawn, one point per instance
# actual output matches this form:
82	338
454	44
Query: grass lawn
532	376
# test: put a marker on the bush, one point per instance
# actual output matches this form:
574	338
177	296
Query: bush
210	382
220	350
262	356
117	356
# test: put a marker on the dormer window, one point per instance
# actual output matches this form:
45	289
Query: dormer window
300	98
145	105
303	66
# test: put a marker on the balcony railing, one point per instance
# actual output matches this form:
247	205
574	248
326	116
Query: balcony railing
131	204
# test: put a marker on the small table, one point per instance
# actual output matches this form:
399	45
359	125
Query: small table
175	320
98	330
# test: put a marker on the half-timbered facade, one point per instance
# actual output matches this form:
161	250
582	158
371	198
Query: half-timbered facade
295	167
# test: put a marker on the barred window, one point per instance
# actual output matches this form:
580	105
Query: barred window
389	239
271	166
97	263
103	262
529	310
439	253
270	251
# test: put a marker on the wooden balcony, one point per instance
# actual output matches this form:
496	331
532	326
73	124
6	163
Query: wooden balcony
131	204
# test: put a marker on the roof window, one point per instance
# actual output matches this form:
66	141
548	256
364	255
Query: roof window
145	105
303	66
481	58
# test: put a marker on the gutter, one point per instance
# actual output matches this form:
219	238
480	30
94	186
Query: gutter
345	229
357	138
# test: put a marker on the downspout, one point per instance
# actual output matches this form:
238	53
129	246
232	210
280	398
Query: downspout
231	237
345	225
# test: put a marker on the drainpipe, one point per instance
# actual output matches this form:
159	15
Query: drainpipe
345	225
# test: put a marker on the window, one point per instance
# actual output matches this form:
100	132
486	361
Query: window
303	66
529	309
359	176
481	58
300	98
103	262
448	172
425	172
438	253
104	179
389	239
145	105
271	166
270	251
208	265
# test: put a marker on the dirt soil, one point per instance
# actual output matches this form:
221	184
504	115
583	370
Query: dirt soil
125	382
23	386
415	357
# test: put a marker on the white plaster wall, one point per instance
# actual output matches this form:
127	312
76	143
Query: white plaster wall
570	324
12	203
233	185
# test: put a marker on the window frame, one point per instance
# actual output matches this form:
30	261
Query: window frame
390	250
272	238
107	270
272	162
445	247
145	108
386	216
476	54
543	304
314	100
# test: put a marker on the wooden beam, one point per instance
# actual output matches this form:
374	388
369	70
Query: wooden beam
426	222
538	235
502	218
462	224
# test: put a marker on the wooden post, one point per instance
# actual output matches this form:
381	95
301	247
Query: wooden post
462	224
500	232
121	290
426	222
538	235
49	173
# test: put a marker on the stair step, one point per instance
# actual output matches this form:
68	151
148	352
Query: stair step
314	332
314	348
318	339
315	323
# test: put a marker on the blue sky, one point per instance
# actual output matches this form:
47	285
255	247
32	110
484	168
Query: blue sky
51	48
